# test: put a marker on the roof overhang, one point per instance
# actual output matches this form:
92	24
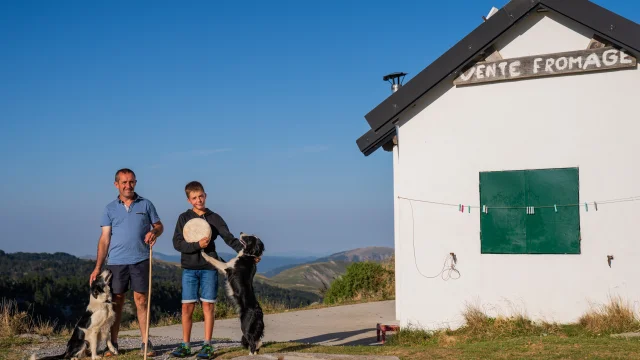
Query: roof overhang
612	27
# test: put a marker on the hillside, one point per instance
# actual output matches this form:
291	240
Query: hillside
55	286
316	276
372	253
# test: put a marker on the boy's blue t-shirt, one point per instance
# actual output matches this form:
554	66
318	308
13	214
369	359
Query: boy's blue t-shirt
128	229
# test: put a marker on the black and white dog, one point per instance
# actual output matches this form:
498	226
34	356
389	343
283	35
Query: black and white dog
239	272
94	325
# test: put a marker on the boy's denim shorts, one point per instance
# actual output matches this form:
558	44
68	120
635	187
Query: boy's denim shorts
204	280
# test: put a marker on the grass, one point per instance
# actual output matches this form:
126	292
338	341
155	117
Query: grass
525	347
512	336
482	337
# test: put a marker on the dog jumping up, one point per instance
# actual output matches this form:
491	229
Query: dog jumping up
94	325
239	272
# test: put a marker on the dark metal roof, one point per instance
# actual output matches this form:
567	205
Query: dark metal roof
612	27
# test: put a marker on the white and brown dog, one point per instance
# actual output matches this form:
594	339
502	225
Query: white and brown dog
94	325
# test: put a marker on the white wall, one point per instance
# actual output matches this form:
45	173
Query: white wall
589	121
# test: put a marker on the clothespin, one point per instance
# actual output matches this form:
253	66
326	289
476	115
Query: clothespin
460	207
586	207
555	208
462	210
530	210
595	205
485	209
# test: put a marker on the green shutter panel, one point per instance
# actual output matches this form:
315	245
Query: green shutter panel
550	232
513	231
503	231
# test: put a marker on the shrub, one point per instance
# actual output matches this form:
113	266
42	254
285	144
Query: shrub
362	280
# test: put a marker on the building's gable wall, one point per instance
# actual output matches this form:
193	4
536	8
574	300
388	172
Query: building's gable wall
586	121
543	33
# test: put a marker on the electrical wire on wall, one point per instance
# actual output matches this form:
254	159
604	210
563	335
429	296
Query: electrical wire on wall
448	271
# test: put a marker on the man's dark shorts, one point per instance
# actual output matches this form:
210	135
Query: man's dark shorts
125	277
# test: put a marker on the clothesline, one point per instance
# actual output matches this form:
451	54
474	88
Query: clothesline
486	207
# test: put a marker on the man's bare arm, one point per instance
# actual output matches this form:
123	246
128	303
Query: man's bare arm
103	248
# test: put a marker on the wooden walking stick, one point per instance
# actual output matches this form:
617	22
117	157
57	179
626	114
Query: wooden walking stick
146	341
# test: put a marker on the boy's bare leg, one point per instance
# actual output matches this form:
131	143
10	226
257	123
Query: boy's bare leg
187	313
209	310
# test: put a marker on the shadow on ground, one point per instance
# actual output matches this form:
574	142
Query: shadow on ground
339	337
165	350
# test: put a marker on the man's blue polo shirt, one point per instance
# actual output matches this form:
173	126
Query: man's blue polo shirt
128	229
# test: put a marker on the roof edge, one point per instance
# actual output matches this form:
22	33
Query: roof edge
610	26
467	49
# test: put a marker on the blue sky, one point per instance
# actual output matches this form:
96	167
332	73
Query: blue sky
260	101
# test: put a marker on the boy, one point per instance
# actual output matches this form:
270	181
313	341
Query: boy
197	273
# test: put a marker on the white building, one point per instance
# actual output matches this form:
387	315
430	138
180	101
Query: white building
533	115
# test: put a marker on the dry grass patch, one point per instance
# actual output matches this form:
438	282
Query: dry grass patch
43	327
616	316
479	326
13	321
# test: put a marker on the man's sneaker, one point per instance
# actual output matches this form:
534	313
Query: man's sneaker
183	350
108	352
206	352
150	351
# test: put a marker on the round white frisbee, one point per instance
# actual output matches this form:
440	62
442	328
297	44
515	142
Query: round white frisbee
196	229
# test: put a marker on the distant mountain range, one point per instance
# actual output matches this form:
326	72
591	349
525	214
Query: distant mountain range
267	263
317	275
371	253
307	274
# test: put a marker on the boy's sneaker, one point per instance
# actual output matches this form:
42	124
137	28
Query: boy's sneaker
206	352
183	350
150	351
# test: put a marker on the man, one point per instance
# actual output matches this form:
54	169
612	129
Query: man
130	225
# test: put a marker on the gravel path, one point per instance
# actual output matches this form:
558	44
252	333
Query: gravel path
162	344
339	325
